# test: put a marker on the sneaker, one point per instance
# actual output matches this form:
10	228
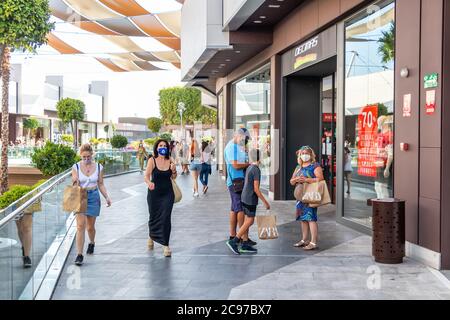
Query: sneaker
247	248
233	246
79	260
90	249
27	262
251	242
196	195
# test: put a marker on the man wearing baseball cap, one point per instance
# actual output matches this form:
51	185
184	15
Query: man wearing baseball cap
236	160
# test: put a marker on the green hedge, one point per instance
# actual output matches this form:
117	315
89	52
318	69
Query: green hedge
15	193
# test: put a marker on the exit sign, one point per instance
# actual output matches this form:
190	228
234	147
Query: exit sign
430	81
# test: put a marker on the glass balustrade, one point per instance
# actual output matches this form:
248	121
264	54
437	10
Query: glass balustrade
34	230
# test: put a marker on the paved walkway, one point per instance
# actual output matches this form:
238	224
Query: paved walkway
203	268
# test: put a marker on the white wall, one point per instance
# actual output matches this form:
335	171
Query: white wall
230	8
193	33
201	34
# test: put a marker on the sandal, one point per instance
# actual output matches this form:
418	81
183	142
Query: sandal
301	244
150	244
311	246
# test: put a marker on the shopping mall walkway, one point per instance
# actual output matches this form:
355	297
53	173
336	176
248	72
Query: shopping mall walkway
203	268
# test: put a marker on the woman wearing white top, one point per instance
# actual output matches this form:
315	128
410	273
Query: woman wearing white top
88	175
206	165
348	167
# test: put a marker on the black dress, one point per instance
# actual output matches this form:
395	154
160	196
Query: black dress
160	203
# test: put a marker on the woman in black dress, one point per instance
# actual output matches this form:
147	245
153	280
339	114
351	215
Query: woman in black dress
160	197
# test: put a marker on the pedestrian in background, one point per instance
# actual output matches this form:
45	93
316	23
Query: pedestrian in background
206	165
142	155
196	165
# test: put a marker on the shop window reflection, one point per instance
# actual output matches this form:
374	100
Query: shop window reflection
369	109
251	109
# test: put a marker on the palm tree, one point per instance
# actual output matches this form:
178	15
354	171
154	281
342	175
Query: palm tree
6	71
387	44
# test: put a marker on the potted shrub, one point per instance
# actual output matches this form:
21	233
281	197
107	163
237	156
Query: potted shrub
119	142
54	159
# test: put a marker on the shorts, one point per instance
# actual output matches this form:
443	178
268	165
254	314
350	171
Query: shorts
236	204
249	210
195	166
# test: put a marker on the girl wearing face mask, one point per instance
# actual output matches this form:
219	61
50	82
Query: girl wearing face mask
160	197
88	175
307	171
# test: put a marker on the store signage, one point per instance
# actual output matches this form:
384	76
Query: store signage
367	141
307	46
316	49
431	81
328	117
430	107
300	61
407	105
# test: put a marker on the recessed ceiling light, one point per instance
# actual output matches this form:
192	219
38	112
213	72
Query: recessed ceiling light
237	51
222	64
257	21
228	60
274	5
262	17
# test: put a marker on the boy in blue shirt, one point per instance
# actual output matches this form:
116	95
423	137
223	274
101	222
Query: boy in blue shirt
249	198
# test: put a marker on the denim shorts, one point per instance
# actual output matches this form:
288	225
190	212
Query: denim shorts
249	210
236	204
195	166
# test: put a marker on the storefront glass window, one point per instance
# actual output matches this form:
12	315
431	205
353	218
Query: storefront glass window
251	109
369	110
221	128
86	131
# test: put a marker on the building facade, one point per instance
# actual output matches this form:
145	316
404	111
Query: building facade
366	84
34	94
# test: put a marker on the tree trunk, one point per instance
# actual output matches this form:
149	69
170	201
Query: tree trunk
6	70
2	51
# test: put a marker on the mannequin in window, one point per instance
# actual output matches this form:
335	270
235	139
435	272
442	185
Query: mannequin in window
385	157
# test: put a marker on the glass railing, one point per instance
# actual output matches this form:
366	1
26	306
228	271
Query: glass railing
28	227
36	224
114	161
117	161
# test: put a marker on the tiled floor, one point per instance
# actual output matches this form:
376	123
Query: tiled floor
203	268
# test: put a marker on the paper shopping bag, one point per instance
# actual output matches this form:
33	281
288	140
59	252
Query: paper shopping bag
267	227
176	191
75	199
326	199
312	193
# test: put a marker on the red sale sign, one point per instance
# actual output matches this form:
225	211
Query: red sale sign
367	141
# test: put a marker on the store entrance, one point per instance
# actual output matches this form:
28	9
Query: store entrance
311	120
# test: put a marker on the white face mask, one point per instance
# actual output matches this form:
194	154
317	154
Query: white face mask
305	157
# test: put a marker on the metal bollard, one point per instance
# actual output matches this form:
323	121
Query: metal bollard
388	222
